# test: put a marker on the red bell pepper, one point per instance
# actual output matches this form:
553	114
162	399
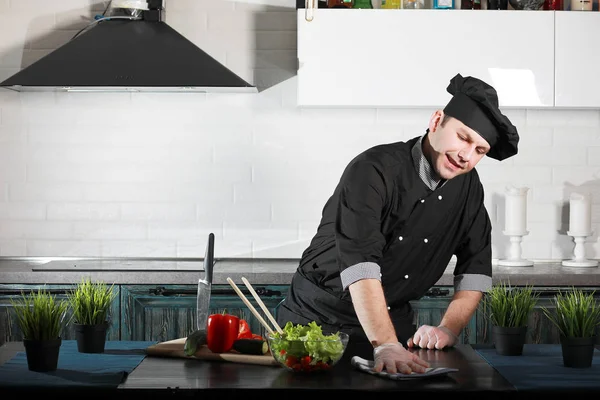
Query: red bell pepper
221	331
244	332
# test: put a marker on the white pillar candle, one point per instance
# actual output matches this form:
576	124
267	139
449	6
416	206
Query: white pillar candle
580	214
516	210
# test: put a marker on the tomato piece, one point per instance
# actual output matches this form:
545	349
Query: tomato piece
290	361
244	330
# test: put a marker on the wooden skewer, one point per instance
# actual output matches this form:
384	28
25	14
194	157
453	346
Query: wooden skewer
262	305
250	306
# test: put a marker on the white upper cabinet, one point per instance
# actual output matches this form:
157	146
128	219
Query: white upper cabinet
577	59
406	58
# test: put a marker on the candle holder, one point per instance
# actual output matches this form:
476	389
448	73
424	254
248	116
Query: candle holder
514	252
579	252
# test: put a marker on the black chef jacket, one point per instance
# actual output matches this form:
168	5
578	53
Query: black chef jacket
382	212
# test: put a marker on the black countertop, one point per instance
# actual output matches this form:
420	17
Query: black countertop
162	377
176	377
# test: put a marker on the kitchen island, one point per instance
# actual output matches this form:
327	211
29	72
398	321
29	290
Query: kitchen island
163	377
150	289
169	377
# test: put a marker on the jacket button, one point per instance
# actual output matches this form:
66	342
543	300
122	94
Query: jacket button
422	200
425	240
405	276
400	238
439	197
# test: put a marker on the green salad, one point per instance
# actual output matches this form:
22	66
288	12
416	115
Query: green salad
306	348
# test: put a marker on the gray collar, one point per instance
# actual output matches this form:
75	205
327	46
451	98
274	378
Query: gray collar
424	169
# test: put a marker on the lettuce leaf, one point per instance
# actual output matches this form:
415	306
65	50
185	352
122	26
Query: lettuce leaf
302	340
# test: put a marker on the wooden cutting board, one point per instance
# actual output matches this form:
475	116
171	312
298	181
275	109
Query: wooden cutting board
174	348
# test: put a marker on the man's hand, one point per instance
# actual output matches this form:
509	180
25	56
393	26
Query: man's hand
395	358
433	337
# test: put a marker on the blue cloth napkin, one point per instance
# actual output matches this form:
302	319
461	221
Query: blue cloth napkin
76	369
540	367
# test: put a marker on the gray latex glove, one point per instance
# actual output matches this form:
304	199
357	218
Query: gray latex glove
433	337
394	358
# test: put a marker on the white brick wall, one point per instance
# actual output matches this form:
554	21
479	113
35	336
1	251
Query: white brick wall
152	174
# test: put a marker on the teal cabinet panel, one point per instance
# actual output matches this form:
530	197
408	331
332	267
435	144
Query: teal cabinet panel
165	312
9	331
430	309
155	312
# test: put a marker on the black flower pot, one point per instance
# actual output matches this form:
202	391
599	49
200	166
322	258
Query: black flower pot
509	341
91	338
577	352
42	355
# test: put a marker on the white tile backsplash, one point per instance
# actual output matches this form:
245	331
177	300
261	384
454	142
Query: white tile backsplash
66	211
12	248
36	229
78	247
151	174
110	230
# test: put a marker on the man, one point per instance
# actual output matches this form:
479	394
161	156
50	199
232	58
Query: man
388	232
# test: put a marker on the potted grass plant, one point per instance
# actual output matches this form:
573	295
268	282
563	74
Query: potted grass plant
508	310
576	314
41	319
91	303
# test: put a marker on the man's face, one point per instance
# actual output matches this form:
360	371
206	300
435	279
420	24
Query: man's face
453	149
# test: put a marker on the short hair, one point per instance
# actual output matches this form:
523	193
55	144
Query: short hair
445	119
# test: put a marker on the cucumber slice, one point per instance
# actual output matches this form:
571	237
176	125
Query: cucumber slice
251	346
194	341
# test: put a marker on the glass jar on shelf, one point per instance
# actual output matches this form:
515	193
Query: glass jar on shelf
391	4
470	5
554	5
413	4
340	3
362	4
581	5
501	4
443	4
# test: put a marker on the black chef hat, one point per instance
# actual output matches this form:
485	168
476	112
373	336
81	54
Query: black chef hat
475	104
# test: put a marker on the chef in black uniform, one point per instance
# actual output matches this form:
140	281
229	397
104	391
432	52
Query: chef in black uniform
398	214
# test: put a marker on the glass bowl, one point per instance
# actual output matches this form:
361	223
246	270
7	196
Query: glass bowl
308	355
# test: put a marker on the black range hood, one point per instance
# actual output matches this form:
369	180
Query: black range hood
144	54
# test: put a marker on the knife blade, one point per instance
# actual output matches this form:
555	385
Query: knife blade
204	285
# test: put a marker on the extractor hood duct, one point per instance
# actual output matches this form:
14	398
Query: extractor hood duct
133	52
